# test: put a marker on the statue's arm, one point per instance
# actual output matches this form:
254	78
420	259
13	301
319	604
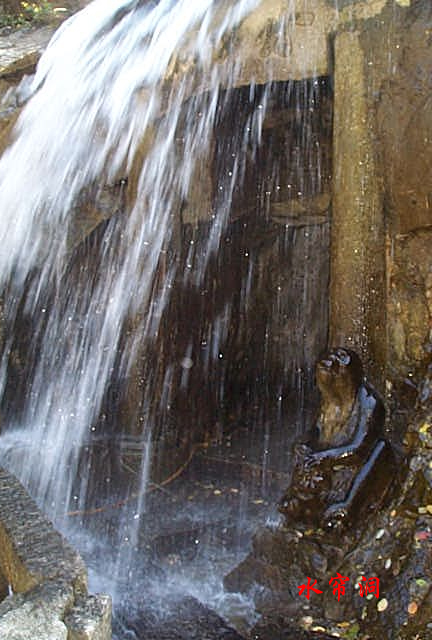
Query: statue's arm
370	484
368	431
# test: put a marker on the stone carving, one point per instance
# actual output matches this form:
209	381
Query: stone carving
348	465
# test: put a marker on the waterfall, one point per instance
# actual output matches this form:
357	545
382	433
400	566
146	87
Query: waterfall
98	92
124	114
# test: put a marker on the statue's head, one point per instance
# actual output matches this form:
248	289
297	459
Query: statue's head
340	372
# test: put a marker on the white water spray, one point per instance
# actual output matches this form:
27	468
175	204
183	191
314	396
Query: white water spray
96	95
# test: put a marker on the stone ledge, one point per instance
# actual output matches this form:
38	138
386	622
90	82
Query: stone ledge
46	577
31	551
20	51
90	619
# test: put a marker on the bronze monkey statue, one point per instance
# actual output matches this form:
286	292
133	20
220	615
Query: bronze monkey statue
348	466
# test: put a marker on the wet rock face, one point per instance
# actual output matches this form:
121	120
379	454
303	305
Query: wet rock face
348	468
3	586
410	300
400	96
197	621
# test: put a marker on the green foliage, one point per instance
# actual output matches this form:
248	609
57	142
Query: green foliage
352	632
25	12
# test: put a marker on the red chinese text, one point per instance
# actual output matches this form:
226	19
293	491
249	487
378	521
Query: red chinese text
339	584
308	588
369	585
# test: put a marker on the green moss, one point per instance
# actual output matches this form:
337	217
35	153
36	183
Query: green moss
26	13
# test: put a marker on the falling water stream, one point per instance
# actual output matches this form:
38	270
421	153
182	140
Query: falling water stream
105	114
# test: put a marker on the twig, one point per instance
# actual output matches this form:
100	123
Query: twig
254	466
152	487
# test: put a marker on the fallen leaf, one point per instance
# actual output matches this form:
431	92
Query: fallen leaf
382	605
421	582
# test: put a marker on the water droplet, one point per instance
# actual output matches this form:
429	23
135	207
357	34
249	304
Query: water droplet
187	363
